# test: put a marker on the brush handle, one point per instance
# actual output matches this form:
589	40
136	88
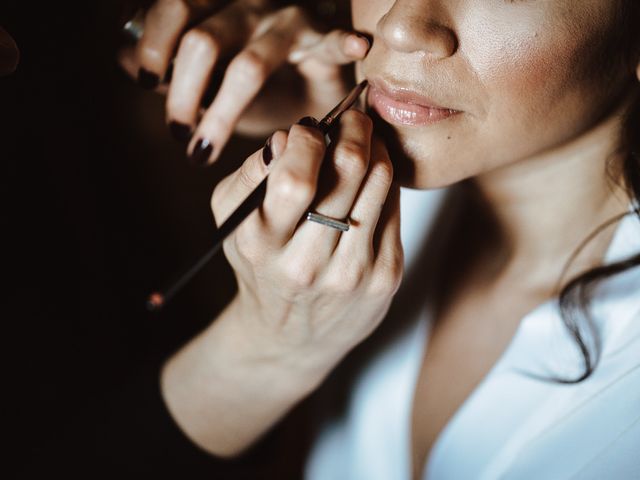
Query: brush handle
249	204
253	201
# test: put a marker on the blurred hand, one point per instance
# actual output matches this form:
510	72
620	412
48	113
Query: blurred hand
9	54
256	43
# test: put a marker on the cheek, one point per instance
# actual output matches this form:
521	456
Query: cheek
532	68
531	99
524	88
517	72
535	95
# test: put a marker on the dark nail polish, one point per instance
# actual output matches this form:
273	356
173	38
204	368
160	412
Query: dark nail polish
202	152
267	153
180	131
308	122
147	79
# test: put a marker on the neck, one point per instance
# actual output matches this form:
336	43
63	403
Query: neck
545	206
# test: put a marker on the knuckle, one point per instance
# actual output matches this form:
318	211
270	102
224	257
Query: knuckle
213	201
291	188
348	281
387	280
359	118
299	274
216	198
246	246
247	177
351	158
310	138
382	172
200	39
250	67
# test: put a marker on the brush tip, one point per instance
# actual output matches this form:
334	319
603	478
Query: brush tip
155	302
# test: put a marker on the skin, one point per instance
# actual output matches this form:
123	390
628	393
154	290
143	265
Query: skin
537	124
261	45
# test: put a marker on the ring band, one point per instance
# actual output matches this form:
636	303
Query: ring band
342	225
134	28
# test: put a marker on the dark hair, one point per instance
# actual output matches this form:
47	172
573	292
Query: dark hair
575	297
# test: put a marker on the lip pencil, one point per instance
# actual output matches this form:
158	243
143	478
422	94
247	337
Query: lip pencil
157	300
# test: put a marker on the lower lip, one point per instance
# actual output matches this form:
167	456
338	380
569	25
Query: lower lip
402	113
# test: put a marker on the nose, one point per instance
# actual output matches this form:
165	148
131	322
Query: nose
418	26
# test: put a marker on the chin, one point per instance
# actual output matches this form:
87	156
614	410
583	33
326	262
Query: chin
411	167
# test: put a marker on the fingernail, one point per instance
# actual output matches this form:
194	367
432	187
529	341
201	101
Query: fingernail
308	122
147	79
362	36
366	39
202	152
353	46
180	131
267	153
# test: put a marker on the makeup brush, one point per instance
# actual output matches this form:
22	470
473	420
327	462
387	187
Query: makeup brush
159	299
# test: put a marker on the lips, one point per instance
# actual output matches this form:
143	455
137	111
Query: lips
402	106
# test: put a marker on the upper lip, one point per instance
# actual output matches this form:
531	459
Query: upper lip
404	94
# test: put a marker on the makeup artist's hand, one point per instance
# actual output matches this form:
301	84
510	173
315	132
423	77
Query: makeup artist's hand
257	45
311	291
307	293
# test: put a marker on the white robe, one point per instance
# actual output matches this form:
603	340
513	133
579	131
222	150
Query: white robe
511	426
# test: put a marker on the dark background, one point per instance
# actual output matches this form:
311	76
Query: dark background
99	207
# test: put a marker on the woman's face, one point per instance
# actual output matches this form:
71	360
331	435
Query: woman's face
520	77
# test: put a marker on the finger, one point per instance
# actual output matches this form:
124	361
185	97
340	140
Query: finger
232	190
164	22
292	183
341	178
368	207
244	78
387	247
200	49
322	64
338	47
128	61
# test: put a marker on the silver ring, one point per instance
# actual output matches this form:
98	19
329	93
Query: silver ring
342	225
134	28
